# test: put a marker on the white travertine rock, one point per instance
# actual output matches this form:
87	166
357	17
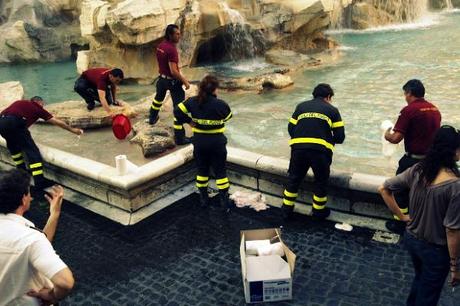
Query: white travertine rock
10	92
258	83
37	30
93	16
82	61
75	114
153	139
137	22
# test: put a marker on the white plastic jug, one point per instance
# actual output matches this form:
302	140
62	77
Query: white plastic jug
388	149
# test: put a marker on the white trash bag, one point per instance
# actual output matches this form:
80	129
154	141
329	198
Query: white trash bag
255	200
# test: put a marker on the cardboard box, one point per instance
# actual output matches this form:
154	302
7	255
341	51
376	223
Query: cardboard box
266	278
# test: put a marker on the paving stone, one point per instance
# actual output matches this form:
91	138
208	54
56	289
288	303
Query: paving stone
184	256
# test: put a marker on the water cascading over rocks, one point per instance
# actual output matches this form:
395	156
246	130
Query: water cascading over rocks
363	14
235	41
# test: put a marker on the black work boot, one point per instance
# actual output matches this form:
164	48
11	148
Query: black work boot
321	213
225	202
90	106
287	211
180	139
204	198
153	119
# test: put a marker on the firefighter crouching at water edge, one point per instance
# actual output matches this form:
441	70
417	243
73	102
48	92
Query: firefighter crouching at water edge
417	125
171	79
207	115
315	127
14	123
99	84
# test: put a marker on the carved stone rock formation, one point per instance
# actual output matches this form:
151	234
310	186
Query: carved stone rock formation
75	114
10	92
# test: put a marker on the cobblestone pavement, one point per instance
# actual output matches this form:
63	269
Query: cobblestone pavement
187	256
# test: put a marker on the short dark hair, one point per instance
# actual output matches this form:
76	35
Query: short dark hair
14	184
36	99
170	29
323	90
118	73
415	87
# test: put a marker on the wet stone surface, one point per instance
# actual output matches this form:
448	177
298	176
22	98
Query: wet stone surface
187	256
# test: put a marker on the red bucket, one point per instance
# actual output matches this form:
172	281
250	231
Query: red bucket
121	126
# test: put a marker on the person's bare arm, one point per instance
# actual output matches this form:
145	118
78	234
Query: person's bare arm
63	282
177	75
65	126
55	197
104	102
453	243
390	201
393	137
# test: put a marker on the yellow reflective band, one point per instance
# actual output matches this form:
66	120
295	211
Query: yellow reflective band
319	141
318	207
182	108
293	121
225	186
222	181
337	124
287	202
405	210
157	102
208	122
155	108
38	172
201	185
396	218
290	194
319	199
178	127
202	178
16	155
216	131
18	162
36	165
315	115
228	117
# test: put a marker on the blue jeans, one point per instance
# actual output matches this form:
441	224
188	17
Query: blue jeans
431	264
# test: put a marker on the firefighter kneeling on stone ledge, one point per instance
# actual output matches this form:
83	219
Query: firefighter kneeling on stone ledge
315	127
207	115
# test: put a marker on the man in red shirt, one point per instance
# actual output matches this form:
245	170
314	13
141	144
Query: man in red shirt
14	123
417	125
99	84
171	79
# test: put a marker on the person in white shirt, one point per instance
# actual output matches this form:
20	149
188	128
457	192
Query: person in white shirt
31	273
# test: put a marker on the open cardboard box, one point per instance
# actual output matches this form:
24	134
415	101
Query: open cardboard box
266	278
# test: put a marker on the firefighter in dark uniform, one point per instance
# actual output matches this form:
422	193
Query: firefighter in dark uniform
14	123
99	84
315	127
207	115
171	79
417	124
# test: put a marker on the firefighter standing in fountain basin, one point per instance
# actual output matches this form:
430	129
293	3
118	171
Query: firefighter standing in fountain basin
207	115
315	127
171	79
14	123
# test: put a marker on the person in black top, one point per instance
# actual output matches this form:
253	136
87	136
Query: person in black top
315	127
207	115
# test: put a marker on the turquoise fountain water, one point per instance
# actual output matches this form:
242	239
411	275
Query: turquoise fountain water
367	77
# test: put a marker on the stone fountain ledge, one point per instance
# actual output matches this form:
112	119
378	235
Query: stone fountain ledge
130	198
